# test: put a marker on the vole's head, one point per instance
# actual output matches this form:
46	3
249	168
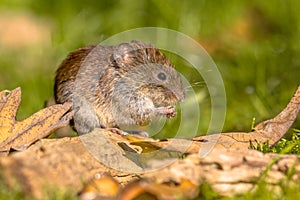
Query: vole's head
147	71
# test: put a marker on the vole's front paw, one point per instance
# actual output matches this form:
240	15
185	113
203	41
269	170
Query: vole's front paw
168	111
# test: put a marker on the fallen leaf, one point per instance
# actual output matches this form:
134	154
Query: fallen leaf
102	186
149	189
19	135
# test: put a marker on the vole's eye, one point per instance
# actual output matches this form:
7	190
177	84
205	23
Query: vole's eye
162	76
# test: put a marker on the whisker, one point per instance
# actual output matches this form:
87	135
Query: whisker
199	83
196	84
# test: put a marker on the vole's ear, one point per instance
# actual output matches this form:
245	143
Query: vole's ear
127	53
123	53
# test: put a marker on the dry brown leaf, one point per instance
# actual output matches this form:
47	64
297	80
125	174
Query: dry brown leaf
102	186
107	187
149	189
19	135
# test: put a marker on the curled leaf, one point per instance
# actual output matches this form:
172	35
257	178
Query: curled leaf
19	135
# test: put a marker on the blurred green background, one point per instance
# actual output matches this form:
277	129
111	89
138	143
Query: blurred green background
255	44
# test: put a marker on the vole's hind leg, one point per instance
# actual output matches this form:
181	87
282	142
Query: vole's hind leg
83	125
117	131
85	118
121	132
